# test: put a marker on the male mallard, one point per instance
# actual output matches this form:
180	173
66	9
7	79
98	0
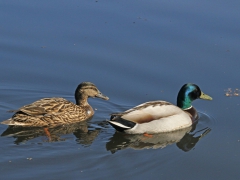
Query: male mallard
56	111
160	116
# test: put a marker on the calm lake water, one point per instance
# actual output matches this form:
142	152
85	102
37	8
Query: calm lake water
134	52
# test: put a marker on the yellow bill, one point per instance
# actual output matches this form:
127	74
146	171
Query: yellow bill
205	96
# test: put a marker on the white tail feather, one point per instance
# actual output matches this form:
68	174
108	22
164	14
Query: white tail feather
119	124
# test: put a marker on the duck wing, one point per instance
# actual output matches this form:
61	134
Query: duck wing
46	106
149	111
41	112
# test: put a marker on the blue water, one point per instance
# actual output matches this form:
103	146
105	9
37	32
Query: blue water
134	52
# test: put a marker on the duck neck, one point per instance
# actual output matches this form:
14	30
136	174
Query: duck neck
81	99
184	102
193	112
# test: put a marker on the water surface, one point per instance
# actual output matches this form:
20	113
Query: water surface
134	52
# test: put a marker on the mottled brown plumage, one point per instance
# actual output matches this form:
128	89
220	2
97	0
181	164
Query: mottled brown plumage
56	111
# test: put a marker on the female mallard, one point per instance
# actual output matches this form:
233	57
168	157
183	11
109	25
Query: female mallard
56	111
160	116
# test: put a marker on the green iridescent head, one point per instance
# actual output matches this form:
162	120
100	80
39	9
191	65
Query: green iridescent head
188	93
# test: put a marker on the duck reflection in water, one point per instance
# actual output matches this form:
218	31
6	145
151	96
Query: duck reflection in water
85	135
185	140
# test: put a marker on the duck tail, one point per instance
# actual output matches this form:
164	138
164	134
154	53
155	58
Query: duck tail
11	122
121	124
8	122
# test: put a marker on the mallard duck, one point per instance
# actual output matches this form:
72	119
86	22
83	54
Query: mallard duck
56	111
160	116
